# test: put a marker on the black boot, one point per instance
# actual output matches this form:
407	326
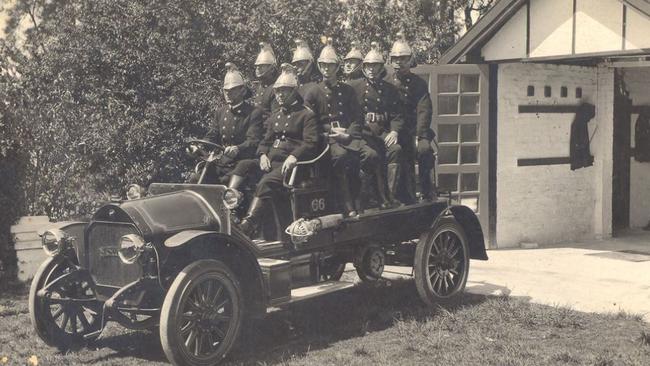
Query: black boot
346	195
392	177
235	181
382	188
250	223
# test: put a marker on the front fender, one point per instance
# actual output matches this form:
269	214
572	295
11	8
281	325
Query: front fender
73	229
469	221
246	267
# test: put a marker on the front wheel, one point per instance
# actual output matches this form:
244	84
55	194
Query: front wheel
441	263
202	314
68	311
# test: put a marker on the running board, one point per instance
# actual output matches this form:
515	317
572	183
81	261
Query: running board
323	288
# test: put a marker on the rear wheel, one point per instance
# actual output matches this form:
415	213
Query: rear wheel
370	265
58	322
202	314
441	263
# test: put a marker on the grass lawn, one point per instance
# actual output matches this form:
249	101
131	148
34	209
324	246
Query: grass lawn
380	325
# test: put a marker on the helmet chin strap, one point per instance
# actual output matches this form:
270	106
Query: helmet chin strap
375	77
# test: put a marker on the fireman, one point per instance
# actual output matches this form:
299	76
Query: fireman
417	112
340	117
382	113
292	133
238	127
352	64
266	71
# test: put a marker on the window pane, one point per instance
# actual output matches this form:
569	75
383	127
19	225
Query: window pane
469	182
447	104
469	155
448	83
471	202
469	104
448	133
448	182
469	133
448	154
469	83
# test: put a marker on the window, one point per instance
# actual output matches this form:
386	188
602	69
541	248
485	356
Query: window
459	94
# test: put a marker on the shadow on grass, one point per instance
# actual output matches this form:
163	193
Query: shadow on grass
318	323
302	327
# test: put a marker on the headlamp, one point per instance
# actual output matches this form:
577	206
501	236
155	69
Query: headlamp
131	246
232	198
54	242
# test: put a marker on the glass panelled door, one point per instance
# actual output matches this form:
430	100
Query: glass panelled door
460	119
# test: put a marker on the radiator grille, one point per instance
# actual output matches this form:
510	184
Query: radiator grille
103	242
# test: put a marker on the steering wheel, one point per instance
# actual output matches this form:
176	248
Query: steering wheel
199	148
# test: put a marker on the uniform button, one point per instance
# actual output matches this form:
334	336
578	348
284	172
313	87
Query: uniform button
340	113
379	100
330	114
407	88
329	105
340	94
365	99
340	103
223	136
276	123
232	136
223	127
379	91
279	116
408	80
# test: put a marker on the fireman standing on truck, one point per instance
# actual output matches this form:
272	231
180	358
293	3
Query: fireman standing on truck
266	72
340	117
352	64
417	112
382	112
238	127
292	134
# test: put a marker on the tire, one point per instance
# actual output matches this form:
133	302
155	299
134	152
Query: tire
441	263
62	325
196	313
372	263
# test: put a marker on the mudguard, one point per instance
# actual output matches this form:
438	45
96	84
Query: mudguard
74	229
468	220
232	242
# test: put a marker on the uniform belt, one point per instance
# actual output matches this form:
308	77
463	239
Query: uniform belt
376	117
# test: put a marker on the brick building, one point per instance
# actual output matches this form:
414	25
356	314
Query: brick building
505	98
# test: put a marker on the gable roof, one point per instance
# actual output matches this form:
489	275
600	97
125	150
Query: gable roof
486	26
643	6
495	18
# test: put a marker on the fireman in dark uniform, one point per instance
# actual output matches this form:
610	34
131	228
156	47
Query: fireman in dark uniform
352	64
266	72
340	118
237	127
292	134
417	112
382	111
308	76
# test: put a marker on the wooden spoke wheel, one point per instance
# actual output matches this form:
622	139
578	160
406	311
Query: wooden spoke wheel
62	318
441	263
202	314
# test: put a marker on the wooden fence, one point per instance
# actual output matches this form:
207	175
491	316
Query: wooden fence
28	245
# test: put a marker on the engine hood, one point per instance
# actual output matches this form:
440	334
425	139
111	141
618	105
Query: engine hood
171	208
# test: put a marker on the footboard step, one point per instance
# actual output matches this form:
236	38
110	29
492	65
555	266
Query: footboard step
304	293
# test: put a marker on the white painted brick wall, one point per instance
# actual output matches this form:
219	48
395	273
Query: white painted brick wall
637	82
545	204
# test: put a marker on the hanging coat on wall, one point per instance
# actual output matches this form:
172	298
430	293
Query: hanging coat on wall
579	153
642	136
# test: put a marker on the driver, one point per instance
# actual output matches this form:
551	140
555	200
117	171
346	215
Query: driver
238	128
292	134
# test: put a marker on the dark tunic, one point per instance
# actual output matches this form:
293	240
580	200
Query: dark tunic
416	104
290	131
380	103
240	126
293	130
